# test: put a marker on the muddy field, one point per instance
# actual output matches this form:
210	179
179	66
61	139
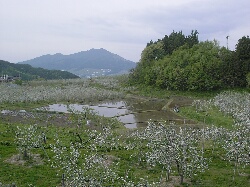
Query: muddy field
138	112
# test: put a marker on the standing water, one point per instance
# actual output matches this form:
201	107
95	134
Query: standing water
132	113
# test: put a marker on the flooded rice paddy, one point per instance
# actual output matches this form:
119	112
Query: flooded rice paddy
133	113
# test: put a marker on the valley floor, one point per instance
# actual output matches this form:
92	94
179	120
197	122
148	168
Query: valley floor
206	143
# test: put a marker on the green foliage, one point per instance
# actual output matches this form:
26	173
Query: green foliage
27	72
146	72
178	39
236	64
243	54
243	48
182	63
248	80
209	117
19	82
28	138
153	52
230	69
187	68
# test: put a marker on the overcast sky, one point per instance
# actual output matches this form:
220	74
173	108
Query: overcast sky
32	28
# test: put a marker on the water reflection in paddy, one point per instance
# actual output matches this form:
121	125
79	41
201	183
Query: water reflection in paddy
132	113
104	109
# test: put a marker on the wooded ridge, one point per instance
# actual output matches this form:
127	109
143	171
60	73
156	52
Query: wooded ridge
27	72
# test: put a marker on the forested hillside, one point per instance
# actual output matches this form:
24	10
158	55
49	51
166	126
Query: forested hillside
27	72
84	62
179	62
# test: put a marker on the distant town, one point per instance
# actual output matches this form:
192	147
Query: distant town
8	78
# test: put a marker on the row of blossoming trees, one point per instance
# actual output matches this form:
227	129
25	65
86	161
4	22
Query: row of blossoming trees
73	90
183	148
88	161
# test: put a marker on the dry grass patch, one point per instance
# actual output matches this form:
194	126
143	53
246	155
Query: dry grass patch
33	160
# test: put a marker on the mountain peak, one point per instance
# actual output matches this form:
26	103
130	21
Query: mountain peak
97	59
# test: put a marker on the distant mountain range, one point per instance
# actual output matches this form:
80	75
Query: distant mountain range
27	72
94	62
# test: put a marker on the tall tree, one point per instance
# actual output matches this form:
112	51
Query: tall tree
243	48
173	41
195	68
243	54
230	70
152	52
192	39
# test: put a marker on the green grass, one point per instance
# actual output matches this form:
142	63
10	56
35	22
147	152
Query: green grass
152	91
211	117
25	175
21	175
220	172
22	105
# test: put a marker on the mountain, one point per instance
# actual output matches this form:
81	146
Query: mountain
93	62
27	72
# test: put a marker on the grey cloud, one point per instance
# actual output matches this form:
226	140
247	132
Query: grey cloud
206	18
63	26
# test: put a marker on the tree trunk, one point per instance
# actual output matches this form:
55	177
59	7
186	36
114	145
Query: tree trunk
25	154
182	178
63	180
167	176
78	135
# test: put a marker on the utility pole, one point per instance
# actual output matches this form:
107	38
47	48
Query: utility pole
227	41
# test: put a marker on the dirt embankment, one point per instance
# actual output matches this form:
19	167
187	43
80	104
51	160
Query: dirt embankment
178	101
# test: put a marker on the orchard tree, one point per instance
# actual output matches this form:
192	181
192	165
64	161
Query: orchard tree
174	148
28	138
